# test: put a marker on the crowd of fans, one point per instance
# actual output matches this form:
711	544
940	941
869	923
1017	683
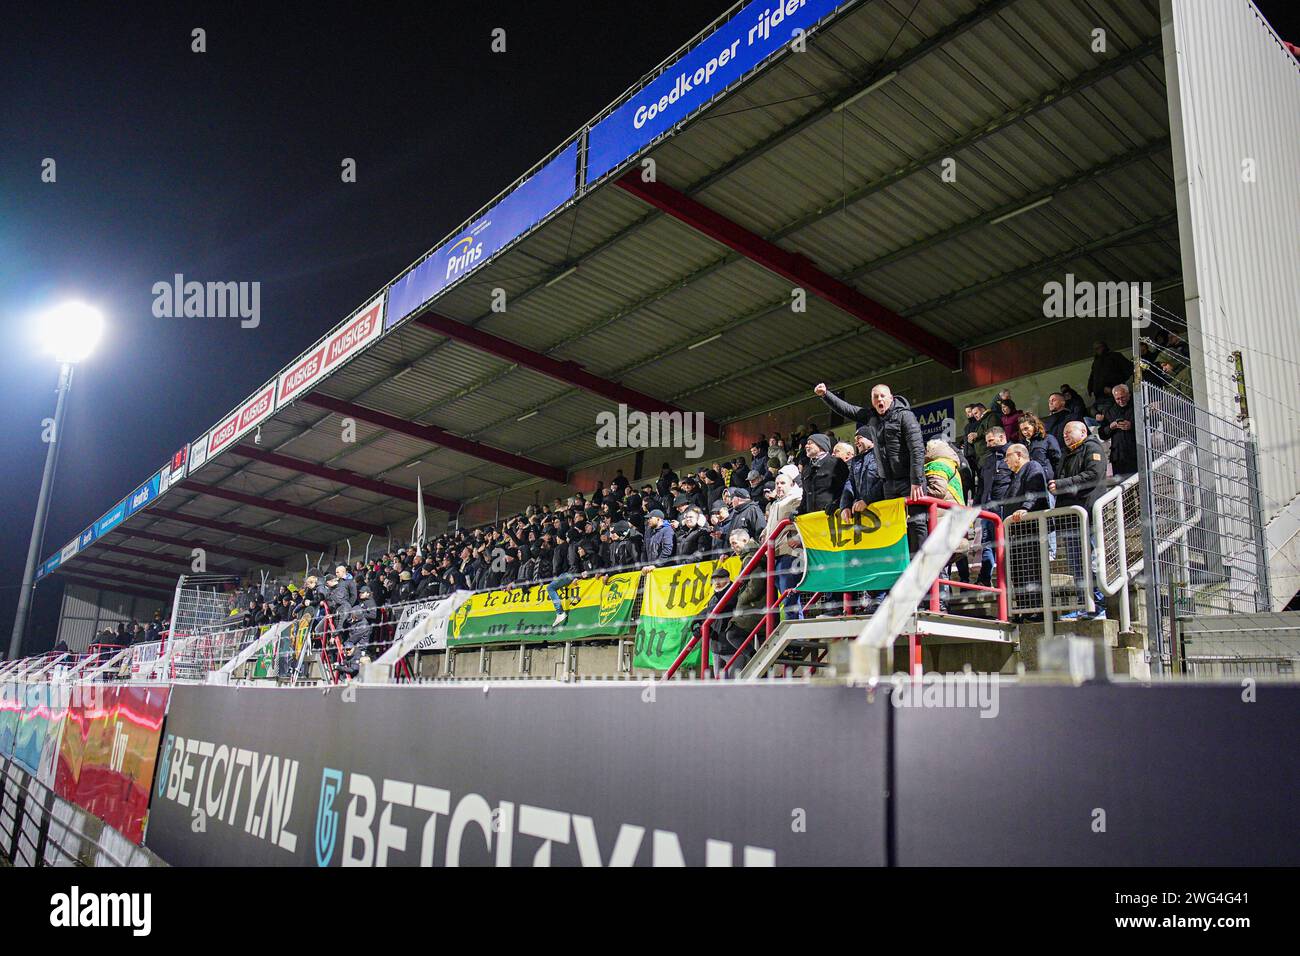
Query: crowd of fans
1009	460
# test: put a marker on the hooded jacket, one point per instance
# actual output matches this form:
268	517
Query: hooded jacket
863	481
943	479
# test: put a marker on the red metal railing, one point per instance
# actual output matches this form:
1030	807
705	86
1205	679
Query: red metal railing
999	557
768	551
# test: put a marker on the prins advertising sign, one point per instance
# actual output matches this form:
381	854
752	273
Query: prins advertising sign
247	416
354	335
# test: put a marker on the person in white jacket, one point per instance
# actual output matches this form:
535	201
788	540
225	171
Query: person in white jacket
786	498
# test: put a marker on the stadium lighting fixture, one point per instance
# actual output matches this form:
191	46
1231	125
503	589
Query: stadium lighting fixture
526	416
69	332
887	78
1023	209
711	338
563	275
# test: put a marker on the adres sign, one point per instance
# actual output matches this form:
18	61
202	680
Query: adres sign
351	337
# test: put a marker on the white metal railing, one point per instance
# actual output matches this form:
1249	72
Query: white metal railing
1117	528
255	646
1039	544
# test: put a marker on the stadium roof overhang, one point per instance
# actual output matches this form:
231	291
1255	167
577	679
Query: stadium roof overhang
918	179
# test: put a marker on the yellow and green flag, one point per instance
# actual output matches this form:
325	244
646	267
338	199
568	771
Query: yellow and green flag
673	598
867	554
595	609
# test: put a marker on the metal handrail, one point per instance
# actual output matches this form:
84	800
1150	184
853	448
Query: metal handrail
766	549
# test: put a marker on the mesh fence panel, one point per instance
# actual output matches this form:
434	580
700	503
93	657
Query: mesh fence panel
1202	506
1052	547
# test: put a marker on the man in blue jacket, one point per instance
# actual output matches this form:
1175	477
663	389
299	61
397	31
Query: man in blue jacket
995	487
658	540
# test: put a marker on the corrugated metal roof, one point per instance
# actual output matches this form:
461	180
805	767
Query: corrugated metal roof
1010	90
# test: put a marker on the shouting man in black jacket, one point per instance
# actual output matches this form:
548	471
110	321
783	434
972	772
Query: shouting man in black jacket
900	449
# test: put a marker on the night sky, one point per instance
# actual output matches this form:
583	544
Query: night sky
225	166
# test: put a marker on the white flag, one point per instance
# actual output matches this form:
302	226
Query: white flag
417	534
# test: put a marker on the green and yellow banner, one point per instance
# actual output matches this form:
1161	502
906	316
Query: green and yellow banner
595	609
868	554
671	601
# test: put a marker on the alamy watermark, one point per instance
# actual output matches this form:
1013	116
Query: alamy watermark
208	300
934	690
634	429
1081	298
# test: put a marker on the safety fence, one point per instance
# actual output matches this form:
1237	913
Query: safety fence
1200	489
1043	561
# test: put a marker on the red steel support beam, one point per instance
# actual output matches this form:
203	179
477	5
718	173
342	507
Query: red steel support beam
191	545
344	477
134	590
283	507
301	544
437	436
790	265
107	581
570	373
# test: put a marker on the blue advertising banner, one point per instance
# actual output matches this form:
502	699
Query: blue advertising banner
759	30
536	197
143	495
86	538
933	416
111	520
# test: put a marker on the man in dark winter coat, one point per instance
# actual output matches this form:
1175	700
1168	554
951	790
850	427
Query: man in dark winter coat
356	637
1028	493
1082	480
1060	414
823	477
900	450
625	547
1028	490
746	513
1109	369
1115	424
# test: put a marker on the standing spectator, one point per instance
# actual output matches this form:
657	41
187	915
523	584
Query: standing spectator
823	476
976	448
899	447
1115	424
862	486
1109	368
785	505
658	540
1081	481
1075	403
776	450
1043	448
1009	416
995	483
1060	414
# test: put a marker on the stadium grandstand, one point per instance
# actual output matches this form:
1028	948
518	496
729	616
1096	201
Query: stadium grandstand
833	348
